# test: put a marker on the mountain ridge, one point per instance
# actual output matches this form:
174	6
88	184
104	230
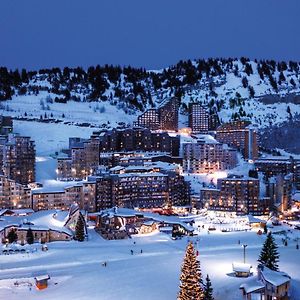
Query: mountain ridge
264	91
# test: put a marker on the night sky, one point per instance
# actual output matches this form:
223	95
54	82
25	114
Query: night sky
152	34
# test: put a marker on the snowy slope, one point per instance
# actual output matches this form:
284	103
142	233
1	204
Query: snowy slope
76	269
219	83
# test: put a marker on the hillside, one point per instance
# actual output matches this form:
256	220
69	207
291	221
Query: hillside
266	92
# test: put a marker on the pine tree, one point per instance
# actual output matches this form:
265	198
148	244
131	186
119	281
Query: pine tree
190	278
269	255
12	236
29	236
79	229
208	290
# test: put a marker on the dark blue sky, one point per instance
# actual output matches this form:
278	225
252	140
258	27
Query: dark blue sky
148	33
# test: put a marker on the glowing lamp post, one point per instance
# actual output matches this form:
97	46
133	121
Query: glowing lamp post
244	246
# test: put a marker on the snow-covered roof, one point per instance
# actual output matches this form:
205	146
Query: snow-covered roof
275	278
252	285
141	174
252	219
116	168
24	211
41	220
274	159
241	267
127	212
42	277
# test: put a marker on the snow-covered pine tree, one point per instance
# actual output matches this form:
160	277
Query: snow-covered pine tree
29	236
190	278
79	229
208	290
12	236
269	255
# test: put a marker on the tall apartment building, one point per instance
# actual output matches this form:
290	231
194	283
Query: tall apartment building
198	118
140	190
103	191
242	135
207	155
165	117
14	195
149	119
210	198
149	185
84	194
275	165
239	194
86	157
279	165
279	191
82	161
138	139
19	159
202	120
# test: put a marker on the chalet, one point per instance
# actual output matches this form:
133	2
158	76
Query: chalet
268	285
46	226
241	269
121	222
256	222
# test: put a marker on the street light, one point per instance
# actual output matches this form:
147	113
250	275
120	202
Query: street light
244	245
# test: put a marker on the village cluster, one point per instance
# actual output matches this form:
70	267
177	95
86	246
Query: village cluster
154	177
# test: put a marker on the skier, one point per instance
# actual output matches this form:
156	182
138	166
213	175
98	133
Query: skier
131	251
141	250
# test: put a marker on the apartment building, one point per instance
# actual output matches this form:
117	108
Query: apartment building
207	155
198	118
84	194
19	158
14	195
165	117
84	158
241	135
239	194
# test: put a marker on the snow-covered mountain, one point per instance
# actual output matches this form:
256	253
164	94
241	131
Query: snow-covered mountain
266	92
260	90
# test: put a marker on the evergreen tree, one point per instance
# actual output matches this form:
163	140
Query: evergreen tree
208	290
269	255
245	82
251	91
12	236
29	236
79	229
190	278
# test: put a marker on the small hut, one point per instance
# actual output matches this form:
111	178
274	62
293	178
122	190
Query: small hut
41	281
256	222
241	270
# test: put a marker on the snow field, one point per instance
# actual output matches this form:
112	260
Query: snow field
154	274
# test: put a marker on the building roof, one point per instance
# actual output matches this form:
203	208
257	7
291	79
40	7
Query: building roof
241	267
252	220
42	220
274	277
127	212
42	277
252	285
